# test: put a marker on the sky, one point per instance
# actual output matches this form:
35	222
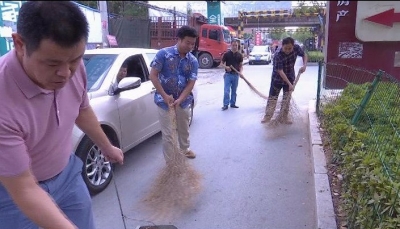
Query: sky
229	8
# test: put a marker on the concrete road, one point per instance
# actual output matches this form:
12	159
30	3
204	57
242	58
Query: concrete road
254	176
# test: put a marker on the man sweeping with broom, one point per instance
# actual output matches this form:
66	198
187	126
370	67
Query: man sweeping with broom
173	74
231	77
283	77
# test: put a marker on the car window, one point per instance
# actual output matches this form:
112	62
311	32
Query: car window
213	34
137	67
151	56
97	67
227	36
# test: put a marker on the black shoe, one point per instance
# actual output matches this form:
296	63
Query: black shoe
224	108
234	106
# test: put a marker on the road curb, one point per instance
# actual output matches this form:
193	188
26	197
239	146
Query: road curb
324	205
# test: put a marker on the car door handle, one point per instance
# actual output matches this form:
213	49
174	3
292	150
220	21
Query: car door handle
153	90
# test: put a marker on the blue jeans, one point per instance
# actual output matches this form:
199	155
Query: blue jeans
67	189
231	82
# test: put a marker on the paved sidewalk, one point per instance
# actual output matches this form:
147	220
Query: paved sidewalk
324	205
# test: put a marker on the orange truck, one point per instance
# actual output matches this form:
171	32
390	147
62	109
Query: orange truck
214	40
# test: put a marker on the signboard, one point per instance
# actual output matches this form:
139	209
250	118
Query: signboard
112	40
258	40
214	13
344	47
8	24
378	21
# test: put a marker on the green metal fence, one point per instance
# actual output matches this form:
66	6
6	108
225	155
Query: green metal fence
360	112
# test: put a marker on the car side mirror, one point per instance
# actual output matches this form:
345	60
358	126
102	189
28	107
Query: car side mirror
127	83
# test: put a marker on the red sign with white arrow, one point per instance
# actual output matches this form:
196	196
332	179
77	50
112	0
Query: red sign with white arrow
386	18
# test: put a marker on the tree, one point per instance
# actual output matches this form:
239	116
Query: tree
122	8
314	7
275	35
91	4
301	36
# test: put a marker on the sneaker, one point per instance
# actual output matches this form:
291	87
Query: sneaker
190	154
224	108
234	106
266	119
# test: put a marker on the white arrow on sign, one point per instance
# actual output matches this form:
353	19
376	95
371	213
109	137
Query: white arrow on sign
213	19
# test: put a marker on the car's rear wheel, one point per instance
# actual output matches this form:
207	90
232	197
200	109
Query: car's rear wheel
96	172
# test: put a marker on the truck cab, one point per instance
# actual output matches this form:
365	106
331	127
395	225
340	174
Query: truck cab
213	42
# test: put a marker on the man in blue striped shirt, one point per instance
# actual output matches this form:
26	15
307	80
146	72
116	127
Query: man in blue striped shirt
283	77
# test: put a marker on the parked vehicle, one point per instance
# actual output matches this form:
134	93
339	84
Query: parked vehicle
260	54
213	42
127	113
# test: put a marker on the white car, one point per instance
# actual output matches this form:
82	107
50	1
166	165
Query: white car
128	115
260	54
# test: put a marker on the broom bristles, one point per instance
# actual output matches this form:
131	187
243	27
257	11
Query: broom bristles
176	186
293	111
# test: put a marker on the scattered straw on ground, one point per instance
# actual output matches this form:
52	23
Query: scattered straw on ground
293	114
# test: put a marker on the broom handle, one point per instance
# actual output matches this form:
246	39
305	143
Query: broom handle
294	84
297	79
234	69
248	83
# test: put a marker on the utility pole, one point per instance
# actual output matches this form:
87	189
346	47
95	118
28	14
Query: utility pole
104	22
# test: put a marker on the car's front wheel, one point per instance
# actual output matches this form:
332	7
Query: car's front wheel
96	172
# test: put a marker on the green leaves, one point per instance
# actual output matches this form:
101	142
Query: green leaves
368	155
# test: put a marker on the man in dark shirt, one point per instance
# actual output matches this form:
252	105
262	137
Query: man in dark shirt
283	76
231	78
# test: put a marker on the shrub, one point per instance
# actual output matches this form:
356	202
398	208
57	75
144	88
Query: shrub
367	155
315	56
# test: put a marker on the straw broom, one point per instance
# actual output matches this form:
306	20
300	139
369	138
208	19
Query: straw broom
293	109
249	84
177	184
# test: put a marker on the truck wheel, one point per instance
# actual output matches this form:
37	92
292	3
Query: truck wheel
206	61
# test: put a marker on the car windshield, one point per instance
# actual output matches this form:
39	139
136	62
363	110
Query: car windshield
260	49
97	67
227	36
